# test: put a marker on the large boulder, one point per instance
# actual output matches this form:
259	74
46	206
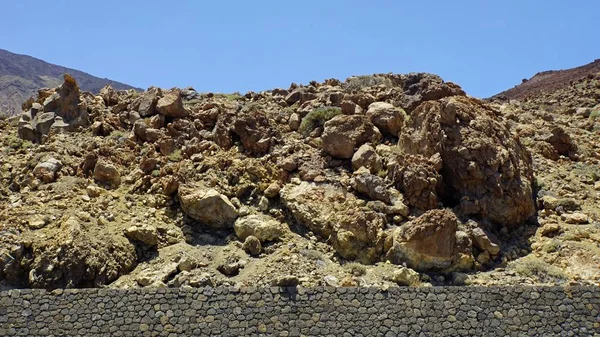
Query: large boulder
261	226
208	206
485	168
355	231
430	242
421	87
386	117
147	102
171	105
561	142
109	95
343	133
65	101
76	256
367	157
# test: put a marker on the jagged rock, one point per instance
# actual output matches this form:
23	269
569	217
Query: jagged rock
231	268
550	229
481	160
65	101
263	204
157	277
75	257
106	172
343	133
194	278
299	96
171	105
331	212
422	87
331	281
207	206
562	142
148	101
261	226
418	179
46	170
187	264
89	163
351	108
109	95
405	277
428	243
62	109
371	185
562	204
576	218
94	191
26	131
366	156
254	131
145	234
386	117
252	245
485	241
43	122
37	223
285	281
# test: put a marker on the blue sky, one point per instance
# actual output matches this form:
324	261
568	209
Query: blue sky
226	46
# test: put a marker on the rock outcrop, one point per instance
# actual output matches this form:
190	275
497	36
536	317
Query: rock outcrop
60	109
485	169
343	134
404	169
333	214
431	242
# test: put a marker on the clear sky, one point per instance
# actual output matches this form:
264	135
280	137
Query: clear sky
485	46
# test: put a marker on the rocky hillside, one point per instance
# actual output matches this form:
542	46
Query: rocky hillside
21	76
379	180
552	81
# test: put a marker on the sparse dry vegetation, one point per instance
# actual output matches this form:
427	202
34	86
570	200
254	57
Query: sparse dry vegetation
317	118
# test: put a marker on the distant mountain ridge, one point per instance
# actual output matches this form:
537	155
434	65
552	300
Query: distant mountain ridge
550	81
21	76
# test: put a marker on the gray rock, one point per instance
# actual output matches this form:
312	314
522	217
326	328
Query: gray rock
373	186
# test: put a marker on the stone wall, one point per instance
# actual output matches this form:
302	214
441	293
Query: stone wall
449	311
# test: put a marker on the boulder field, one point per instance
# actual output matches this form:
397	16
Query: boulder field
174	187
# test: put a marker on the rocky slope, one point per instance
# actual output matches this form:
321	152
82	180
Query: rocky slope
549	82
21	76
379	180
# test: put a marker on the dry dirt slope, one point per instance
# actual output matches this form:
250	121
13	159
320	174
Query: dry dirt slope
21	76
379	180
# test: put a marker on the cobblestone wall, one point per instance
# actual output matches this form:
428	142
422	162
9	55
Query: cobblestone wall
450	311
